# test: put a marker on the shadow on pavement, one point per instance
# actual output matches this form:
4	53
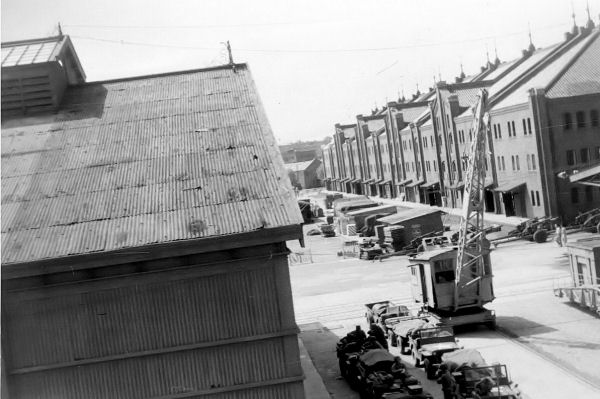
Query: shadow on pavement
320	343
516	327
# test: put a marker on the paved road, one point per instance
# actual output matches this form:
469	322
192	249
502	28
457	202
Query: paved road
551	348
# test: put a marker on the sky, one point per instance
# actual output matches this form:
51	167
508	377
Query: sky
315	63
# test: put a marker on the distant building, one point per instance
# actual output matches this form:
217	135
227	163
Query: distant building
544	122
144	229
295	155
305	174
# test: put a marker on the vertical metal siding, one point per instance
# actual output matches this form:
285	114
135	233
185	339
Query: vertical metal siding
149	376
110	322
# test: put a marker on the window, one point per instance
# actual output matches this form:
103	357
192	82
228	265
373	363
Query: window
517	159
499	131
503	164
450	138
537	196
495	132
431	138
570	157
532	198
567	121
513	128
499	164
529	125
454	166
533	162
410	144
434	166
585	155
528	163
589	195
574	195
594	120
524	128
444	271
512	158
509	131
413	166
580	117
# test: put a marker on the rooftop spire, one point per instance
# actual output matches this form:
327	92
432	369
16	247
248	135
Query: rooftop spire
59	30
462	72
497	60
531	46
590	23
574	29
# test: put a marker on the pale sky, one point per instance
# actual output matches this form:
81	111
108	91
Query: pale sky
316	63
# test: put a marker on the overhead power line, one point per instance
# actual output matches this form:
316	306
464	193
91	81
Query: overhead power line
258	24
320	51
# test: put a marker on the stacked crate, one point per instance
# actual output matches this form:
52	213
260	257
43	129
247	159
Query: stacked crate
394	236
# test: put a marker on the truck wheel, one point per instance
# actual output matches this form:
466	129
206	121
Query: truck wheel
342	365
540	236
429	371
403	345
416	359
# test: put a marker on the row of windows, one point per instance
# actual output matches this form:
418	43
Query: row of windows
580	119
584	156
589	195
512	130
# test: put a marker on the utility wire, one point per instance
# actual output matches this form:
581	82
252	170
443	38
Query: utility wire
200	26
304	51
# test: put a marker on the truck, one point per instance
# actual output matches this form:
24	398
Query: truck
379	312
472	374
428	345
373	375
401	331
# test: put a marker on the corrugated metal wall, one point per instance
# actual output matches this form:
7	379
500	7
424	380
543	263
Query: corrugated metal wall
157	339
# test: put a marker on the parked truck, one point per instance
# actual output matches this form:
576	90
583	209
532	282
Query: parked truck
379	312
476	379
428	345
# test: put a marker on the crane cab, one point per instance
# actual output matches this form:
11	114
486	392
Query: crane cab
434	281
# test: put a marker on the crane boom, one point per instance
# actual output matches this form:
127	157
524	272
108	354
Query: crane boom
471	245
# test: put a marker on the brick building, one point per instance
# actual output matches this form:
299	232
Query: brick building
544	124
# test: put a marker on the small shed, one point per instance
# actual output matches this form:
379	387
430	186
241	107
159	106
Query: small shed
584	287
358	217
416	222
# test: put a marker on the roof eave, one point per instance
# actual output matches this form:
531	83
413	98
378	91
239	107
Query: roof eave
151	251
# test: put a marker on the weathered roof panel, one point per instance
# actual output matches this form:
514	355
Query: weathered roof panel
142	161
583	77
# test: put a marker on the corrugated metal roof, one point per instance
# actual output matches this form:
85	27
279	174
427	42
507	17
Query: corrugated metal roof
413	113
583	77
543	78
500	69
142	161
29	52
409	214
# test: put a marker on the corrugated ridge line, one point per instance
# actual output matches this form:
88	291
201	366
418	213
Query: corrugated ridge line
102	324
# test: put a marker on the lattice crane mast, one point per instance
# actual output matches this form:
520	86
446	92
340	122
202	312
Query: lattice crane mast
472	260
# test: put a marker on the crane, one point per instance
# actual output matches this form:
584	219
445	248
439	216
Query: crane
454	283
472	260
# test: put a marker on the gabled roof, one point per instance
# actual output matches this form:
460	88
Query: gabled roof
299	166
582	77
143	161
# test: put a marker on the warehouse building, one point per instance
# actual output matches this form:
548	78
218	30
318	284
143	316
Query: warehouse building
544	124
144	223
